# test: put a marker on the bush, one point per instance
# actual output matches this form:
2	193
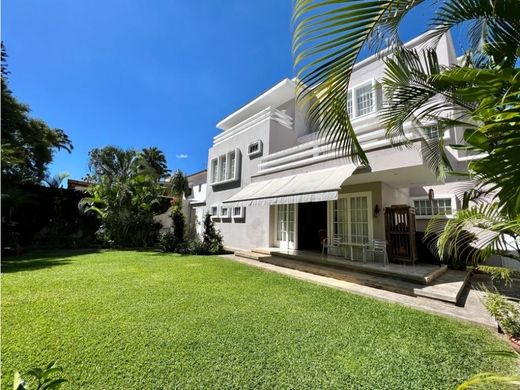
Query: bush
506	313
175	240
212	239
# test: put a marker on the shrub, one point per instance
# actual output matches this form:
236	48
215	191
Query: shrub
506	313
211	238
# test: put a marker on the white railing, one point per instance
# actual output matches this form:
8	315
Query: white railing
318	150
267	114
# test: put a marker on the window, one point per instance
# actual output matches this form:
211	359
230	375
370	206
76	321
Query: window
364	99
350	110
238	212
225	168
214	211
438	206
432	132
254	149
190	191
351	218
225	212
214	170
222	165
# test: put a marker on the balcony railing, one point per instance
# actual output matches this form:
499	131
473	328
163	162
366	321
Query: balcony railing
267	114
319	150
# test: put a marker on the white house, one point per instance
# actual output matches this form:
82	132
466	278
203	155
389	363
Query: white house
273	183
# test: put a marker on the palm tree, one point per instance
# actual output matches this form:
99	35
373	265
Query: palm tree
55	181
156	160
178	185
329	36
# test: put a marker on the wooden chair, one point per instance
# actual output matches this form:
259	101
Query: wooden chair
377	246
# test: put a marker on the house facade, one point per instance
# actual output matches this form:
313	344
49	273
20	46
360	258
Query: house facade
273	183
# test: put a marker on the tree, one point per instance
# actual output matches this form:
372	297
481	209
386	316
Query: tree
55	181
211	237
156	160
178	185
124	195
28	144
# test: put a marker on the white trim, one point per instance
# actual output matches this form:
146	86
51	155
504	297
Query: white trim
226	158
268	113
214	216
348	195
452	197
224	214
286	244
256	152
237	216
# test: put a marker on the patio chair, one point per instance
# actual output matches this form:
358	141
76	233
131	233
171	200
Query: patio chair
376	246
335	242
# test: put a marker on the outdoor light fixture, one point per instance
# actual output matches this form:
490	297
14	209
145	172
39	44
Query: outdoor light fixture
376	210
431	194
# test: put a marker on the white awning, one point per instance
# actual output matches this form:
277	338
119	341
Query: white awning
314	186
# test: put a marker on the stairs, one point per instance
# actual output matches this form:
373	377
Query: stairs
437	283
253	255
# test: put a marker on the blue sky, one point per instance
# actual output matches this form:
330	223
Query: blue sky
140	73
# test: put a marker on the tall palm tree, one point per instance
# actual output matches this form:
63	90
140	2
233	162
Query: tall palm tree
156	160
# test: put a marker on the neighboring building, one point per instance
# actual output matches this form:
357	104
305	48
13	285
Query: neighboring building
273	183
194	205
78	185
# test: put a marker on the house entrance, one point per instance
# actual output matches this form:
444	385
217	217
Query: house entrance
312	217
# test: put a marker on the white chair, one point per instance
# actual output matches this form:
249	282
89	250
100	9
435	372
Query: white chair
376	246
335	242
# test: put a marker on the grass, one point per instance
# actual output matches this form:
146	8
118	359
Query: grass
143	320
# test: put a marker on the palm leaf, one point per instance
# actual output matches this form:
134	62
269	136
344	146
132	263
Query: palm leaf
494	26
328	37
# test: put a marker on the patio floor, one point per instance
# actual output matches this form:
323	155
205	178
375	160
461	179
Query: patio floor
418	273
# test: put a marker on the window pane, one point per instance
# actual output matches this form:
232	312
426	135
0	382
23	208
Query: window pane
349	104
364	100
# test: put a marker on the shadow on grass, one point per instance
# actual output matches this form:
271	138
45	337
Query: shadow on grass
36	260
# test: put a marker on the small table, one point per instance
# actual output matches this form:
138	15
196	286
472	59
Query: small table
352	245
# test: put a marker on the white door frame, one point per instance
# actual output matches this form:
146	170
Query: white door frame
286	244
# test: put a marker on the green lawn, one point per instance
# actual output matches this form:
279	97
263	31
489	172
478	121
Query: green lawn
143	320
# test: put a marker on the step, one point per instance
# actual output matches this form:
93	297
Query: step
252	255
451	279
421	273
262	251
447	287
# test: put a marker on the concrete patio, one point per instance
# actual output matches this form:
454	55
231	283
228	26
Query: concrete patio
469	305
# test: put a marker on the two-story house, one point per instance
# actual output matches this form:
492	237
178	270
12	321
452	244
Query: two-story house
273	183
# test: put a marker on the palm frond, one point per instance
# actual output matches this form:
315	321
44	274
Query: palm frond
328	37
476	233
495	26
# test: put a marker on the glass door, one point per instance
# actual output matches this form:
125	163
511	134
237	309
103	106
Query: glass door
286	216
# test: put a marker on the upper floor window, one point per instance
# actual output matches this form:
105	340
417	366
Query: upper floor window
350	109
364	99
225	167
425	207
254	148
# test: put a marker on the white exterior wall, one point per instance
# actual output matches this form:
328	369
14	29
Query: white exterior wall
394	177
